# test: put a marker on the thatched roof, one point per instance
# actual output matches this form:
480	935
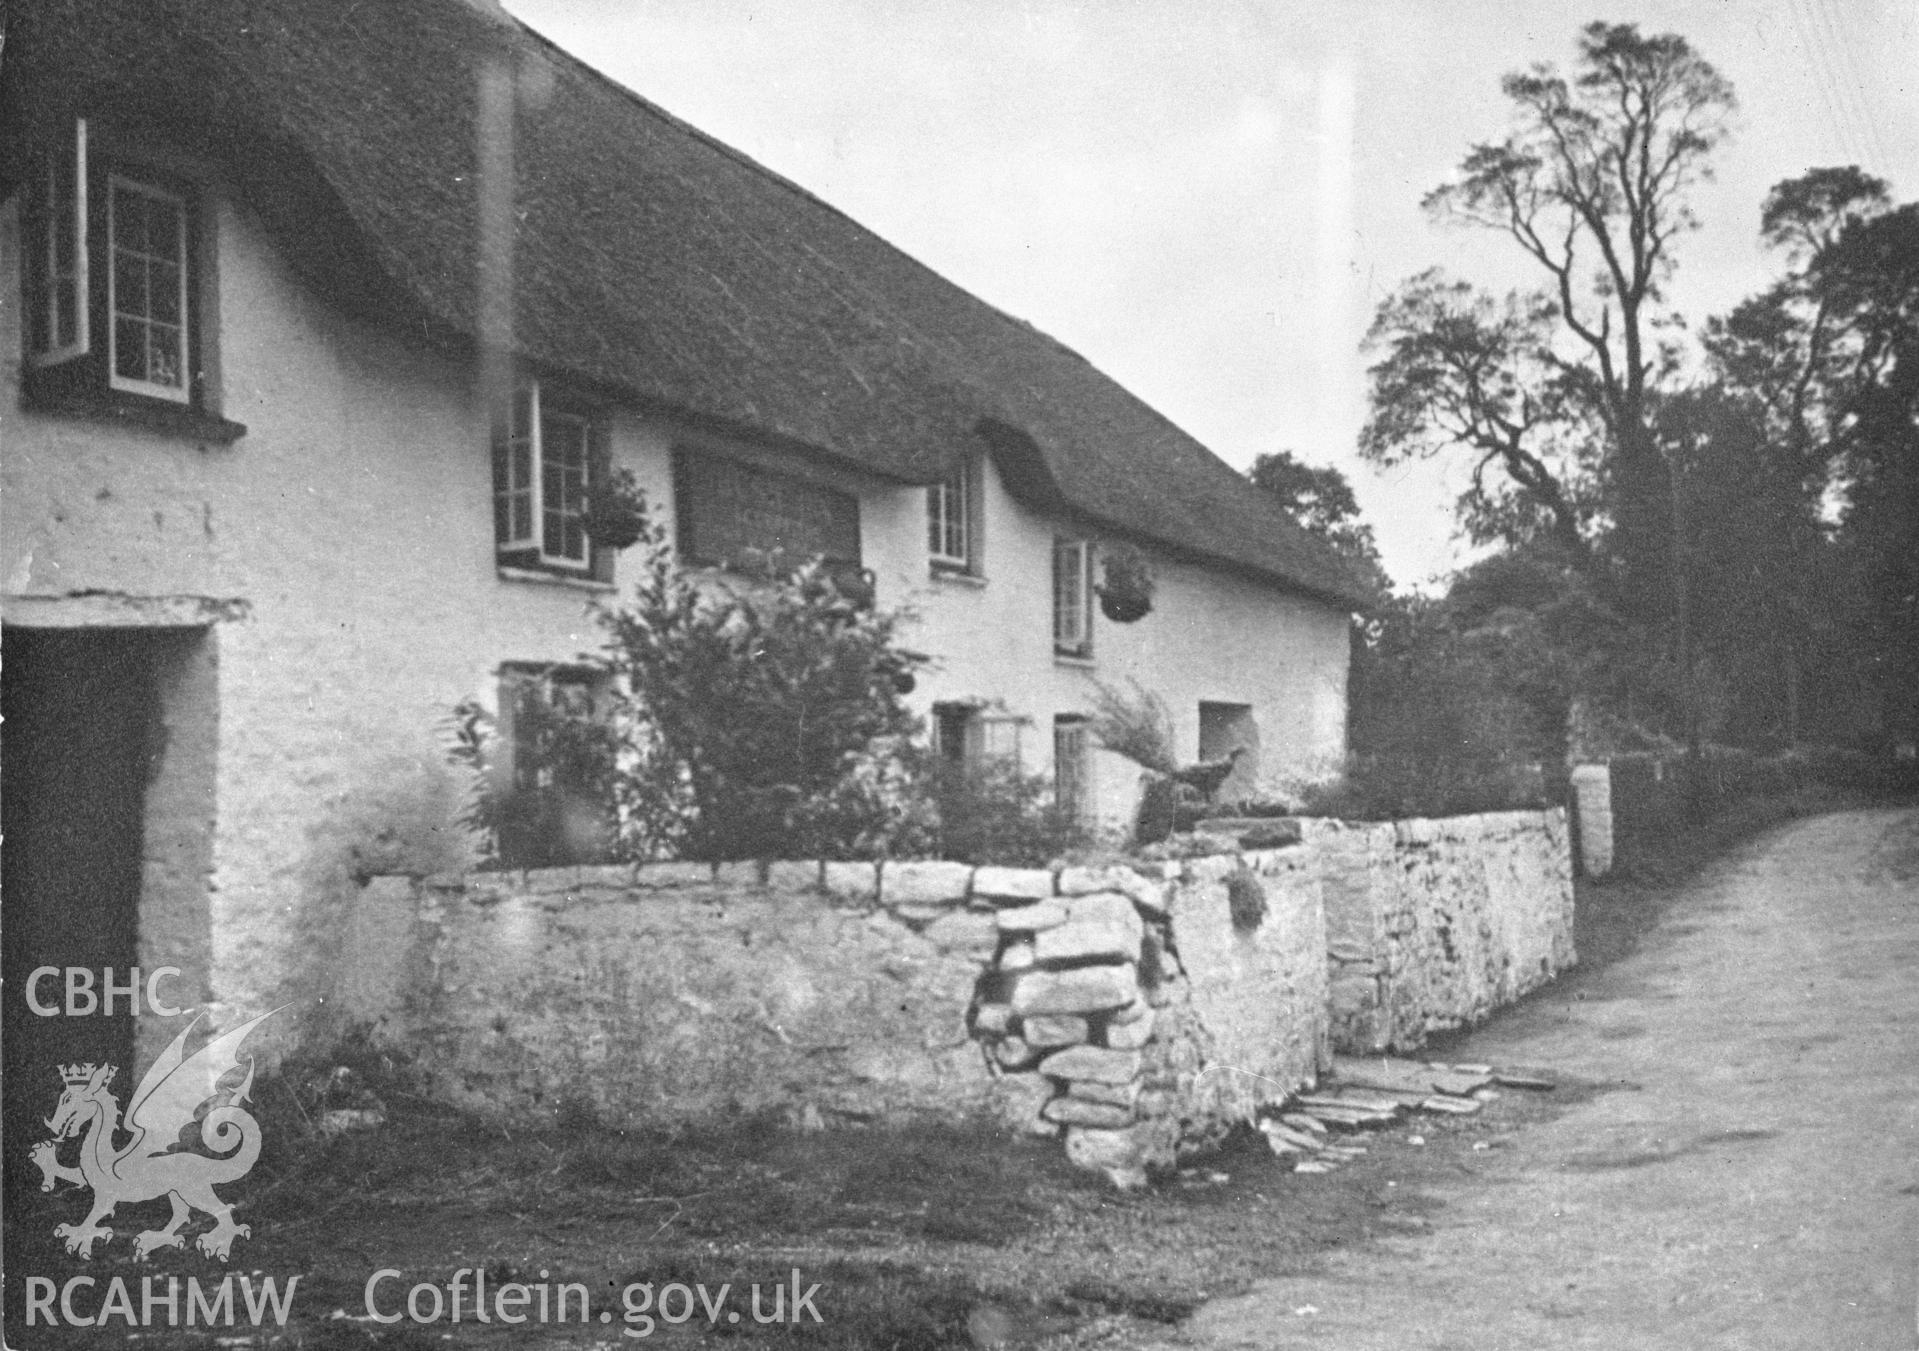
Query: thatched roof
649	259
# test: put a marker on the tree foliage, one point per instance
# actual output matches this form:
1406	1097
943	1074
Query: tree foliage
1827	363
1592	183
1321	499
1460	369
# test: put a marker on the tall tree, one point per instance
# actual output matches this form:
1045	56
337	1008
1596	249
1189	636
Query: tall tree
1829	356
1461	369
1592	183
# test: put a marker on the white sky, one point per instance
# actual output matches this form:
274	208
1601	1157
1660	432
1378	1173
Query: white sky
1207	198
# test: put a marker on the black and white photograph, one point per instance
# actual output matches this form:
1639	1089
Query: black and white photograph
885	675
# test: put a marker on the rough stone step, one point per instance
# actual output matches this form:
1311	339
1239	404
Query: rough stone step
1389	1074
1539	1080
1350	1119
1300	1121
1306	1140
1457	1085
1286	1148
1319	1103
1451	1106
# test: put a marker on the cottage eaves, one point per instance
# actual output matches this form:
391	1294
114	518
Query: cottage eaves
647	258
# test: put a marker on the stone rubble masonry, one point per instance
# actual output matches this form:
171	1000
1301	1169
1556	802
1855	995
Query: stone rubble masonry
1116	1005
1030	918
1434	924
1086	989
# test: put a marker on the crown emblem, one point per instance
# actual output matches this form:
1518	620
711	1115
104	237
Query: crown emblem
77	1074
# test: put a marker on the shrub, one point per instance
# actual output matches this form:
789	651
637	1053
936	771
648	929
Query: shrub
1441	724
992	813
555	807
760	717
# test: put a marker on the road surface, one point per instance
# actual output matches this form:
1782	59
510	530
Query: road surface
1750	1181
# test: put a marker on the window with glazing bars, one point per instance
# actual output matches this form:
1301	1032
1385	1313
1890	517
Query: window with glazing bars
950	520
1072	598
543	467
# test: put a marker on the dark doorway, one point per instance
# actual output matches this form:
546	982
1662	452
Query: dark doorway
79	735
1223	729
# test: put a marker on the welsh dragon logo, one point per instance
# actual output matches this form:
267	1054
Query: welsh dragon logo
153	1163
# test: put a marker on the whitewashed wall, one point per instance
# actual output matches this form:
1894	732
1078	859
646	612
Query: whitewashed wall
352	522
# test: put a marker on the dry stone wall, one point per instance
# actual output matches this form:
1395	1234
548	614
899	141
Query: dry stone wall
1434	924
1137	1010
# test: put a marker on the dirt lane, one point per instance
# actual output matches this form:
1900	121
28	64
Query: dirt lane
1752	1179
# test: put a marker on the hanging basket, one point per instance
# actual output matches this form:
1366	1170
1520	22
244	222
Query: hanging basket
1125	590
616	513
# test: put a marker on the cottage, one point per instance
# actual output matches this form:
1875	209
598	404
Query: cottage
329	313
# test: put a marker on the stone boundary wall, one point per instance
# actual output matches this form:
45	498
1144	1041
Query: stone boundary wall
1434	924
1136	1009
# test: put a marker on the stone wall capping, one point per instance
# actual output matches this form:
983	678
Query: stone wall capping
788	875
924	882
668	875
1147	891
744	875
1212	868
1015	884
1159	870
1078	879
843	881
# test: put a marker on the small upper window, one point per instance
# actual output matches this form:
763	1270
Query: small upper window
114	315
1072	598
147	289
952	520
544	461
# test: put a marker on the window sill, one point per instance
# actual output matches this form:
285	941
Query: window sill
1084	663
957	577
155	414
540	578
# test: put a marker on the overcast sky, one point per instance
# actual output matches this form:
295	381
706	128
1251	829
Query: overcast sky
1207	198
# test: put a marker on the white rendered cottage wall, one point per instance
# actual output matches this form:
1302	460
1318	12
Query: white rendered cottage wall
353	523
1212	637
